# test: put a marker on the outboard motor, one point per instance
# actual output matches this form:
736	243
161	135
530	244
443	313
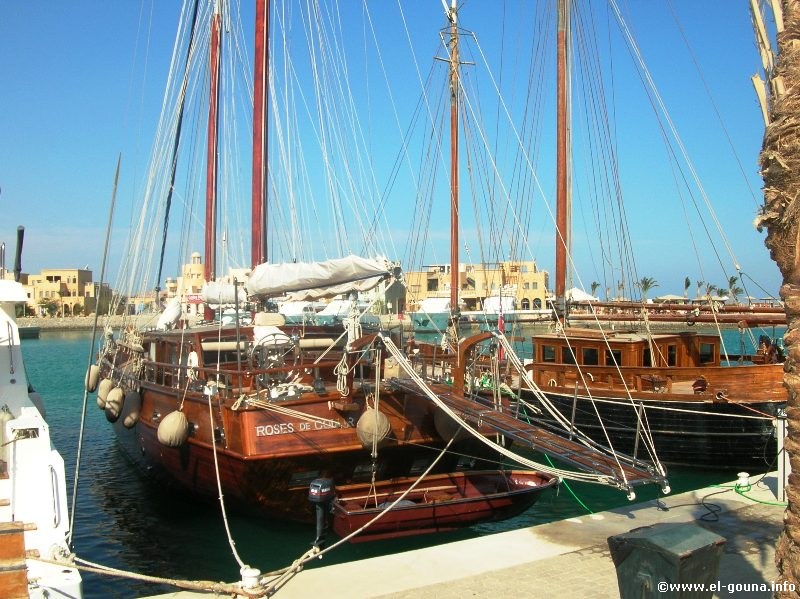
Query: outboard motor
320	493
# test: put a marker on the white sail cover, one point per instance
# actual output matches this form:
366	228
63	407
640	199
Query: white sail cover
313	280
579	295
494	303
220	293
170	315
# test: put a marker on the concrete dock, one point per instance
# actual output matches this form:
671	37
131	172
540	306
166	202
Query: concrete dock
566	558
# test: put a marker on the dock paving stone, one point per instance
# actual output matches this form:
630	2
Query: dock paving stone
748	557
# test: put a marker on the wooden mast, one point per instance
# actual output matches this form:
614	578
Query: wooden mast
258	246
562	165
212	154
454	92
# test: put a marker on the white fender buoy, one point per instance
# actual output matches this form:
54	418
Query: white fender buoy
114	403
103	390
372	427
173	430
92	377
447	427
5	416
132	407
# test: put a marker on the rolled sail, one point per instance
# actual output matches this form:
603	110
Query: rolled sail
311	280
219	293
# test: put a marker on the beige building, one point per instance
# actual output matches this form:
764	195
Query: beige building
476	282
67	291
189	285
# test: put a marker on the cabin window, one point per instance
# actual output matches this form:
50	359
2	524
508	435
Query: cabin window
613	357
672	355
591	357
433	285
647	358
567	357
548	353
706	353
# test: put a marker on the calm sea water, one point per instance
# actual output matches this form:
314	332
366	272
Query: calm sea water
126	521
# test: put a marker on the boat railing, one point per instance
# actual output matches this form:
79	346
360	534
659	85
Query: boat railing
676	380
228	381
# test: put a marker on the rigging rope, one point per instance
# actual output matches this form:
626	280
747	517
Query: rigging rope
562	473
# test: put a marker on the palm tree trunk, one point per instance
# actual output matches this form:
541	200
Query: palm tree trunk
780	167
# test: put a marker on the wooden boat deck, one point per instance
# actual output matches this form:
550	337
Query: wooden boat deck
571	452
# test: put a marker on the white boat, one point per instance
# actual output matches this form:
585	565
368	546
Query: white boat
339	309
432	316
298	312
34	521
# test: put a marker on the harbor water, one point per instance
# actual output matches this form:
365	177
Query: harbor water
126	521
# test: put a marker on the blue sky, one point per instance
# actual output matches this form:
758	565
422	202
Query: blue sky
83	84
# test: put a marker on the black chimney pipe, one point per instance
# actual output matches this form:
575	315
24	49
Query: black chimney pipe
18	254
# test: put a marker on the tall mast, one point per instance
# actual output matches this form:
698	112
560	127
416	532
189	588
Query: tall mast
258	246
562	156
454	91
212	149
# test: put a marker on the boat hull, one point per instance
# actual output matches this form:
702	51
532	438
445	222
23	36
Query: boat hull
266	460
694	434
438	503
434	322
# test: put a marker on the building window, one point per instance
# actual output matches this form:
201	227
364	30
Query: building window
526	285
535	285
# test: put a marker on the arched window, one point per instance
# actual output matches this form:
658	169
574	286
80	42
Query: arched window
526	304
537	304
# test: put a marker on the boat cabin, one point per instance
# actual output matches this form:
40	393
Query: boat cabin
586	347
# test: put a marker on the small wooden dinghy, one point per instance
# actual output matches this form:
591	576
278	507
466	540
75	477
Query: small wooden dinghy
440	502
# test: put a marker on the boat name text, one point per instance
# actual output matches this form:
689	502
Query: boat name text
287	428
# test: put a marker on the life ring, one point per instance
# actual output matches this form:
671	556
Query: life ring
551	383
590	376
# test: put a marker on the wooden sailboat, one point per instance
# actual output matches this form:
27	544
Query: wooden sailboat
259	411
705	408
